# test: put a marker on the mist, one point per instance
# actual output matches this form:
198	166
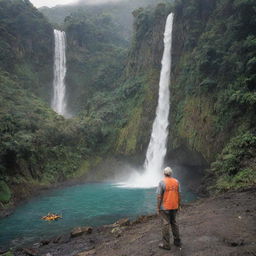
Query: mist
96	2
53	3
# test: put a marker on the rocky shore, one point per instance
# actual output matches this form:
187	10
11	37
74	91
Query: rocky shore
221	225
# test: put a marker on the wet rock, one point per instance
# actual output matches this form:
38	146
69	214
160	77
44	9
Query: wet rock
62	239
56	239
143	219
2	251
109	225
87	253
44	242
234	242
91	241
36	245
117	231
30	251
65	239
123	222
8	253
80	231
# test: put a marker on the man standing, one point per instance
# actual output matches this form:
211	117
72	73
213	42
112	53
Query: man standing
168	203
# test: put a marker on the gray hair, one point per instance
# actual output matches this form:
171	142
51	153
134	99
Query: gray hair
168	171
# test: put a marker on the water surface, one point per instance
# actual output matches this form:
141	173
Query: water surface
88	204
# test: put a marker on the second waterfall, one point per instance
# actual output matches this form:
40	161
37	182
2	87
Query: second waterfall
59	87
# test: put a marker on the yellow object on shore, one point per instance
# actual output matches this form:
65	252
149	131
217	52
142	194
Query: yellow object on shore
51	216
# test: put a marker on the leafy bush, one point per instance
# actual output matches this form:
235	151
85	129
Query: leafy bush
5	193
235	166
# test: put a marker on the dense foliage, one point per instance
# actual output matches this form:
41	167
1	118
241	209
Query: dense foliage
215	83
235	166
119	11
26	40
112	90
96	56
37	146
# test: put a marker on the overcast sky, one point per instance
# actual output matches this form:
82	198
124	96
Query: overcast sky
51	3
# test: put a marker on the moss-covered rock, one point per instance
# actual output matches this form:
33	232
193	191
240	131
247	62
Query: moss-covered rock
5	193
8	254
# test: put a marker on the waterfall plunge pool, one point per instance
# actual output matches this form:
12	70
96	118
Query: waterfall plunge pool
81	205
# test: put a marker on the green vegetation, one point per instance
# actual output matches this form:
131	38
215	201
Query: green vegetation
26	40
120	12
214	86
141	79
38	146
5	193
8	254
112	90
96	56
235	166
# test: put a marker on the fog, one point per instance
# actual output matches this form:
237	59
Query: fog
52	3
95	2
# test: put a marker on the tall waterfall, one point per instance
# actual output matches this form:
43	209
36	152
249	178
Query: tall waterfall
59	87
157	146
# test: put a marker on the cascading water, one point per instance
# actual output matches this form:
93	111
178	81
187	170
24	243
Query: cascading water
59	87
157	146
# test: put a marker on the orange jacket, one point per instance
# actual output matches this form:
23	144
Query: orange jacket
171	194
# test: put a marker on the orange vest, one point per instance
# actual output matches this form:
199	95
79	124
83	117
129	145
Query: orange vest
171	194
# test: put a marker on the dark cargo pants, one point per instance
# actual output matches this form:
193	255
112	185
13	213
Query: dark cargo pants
167	218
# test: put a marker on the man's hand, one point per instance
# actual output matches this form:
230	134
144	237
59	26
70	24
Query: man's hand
159	202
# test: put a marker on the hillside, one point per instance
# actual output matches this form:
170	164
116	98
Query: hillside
213	101
213	88
38	147
26	46
112	83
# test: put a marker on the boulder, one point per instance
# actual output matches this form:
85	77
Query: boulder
6	253
143	219
62	239
44	242
2	251
117	231
123	222
80	231
30	251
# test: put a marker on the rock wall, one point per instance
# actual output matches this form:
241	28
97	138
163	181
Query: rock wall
212	88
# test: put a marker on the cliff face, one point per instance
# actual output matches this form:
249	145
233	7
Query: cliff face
212	89
142	73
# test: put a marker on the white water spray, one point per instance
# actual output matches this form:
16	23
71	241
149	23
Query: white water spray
157	146
59	87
